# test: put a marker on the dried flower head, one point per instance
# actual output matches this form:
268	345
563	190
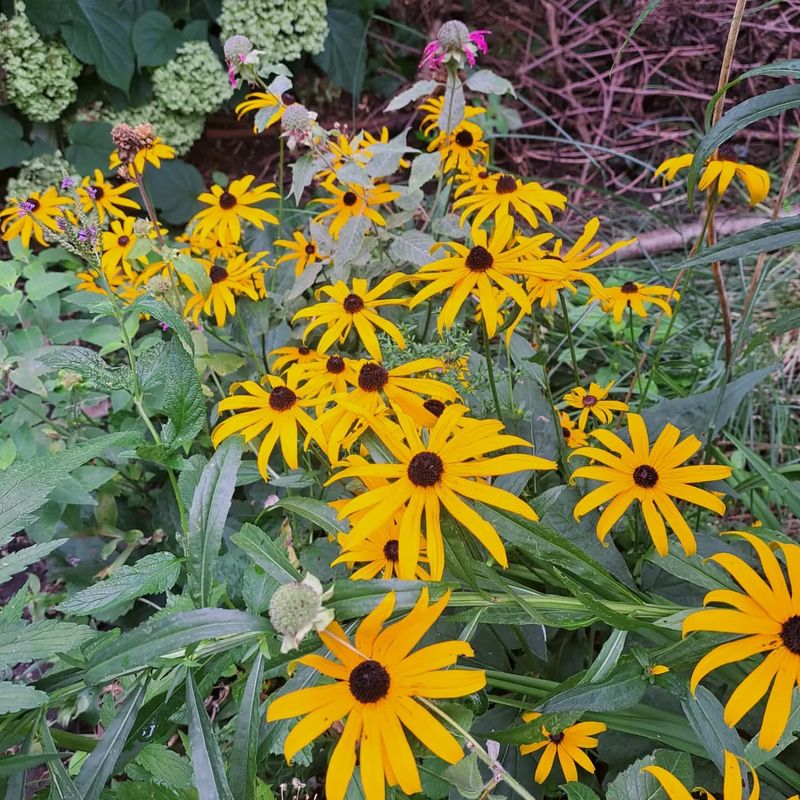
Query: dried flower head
296	608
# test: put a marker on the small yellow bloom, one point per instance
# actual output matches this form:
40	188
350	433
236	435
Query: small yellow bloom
31	215
459	148
291	356
658	669
573	435
354	201
105	198
615	299
595	402
302	251
326	376
152	154
255	101
117	244
732	787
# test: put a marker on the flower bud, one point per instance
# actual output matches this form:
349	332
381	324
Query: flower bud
296	608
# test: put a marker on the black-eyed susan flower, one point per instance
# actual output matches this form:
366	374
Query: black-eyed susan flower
277	410
289	356
765	618
327	376
377	681
594	401
208	246
352	201
651	476
108	200
615	299
718	173
28	217
152	151
461	147
117	243
485	269
573	435
503	194
227	207
731	788
568	745
354	307
439	472
432	106
302	251
238	277
268	107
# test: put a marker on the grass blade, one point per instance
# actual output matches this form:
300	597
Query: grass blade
245	740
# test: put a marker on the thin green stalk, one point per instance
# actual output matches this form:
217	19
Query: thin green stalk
637	377
246	334
568	326
487	351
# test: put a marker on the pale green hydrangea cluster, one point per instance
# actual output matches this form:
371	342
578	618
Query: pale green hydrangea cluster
39	76
194	82
37	174
283	29
177	130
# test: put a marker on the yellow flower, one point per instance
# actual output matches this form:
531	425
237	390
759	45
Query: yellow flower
459	148
651	477
255	101
718	173
228	207
615	299
356	307
278	411
152	154
732	787
208	246
432	106
290	356
765	617
105	197
325	377
568	745
485	269
117	244
238	277
376	682
573	435
505	193
428	475
354	201
594	401
29	217
658	669
302	251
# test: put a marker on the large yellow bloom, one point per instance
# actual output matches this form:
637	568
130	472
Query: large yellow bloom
356	307
594	402
432	106
278	411
765	616
228	207
302	251
107	199
376	682
30	216
568	745
485	269
354	201
459	148
255	101
718	173
732	787
428	475
615	299
650	476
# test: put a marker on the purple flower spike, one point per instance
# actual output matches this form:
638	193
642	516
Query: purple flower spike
68	182
26	207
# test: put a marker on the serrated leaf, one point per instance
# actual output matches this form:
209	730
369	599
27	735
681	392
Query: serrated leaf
13	563
350	240
414	92
413	247
88	364
18	697
386	157
315	511
165	765
578	791
163	312
265	553
151	574
633	783
21	644
353	173
209	510
155	39
487	82
182	396
244	757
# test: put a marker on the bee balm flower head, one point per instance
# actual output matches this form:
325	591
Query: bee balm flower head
296	608
455	44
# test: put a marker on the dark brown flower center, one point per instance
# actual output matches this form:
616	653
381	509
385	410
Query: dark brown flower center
33	205
352	304
645	476
349	198
123	241
629	288
227	201
310	249
392	550
425	469
335	365
464	139
282	398
483	174
479	259
372	377
97	192
589	400
436	407
557	738
217	274
567	432
506	184
790	633
369	682
303	350
727	152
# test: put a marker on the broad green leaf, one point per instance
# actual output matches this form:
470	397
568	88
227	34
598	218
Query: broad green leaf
209	510
149	790
578	791
163	312
244	757
466	778
88	364
302	174
170	635
705	715
633	783
13	563
18	696
20	644
209	769
423	168
186	265
350	240
155	39
90	146
182	396
413	93
13	150
352	599
174	189
165	765
315	511
413	246
151	574
487	82
756	756
100	763
386	157
622	689
265	553
692	569
344	57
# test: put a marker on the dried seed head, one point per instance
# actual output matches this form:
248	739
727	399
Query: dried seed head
297	607
237	47
453	35
129	140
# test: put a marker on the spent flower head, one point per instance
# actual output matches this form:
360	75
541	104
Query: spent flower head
297	607
297	125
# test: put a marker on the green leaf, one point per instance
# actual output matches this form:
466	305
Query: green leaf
633	783
12	765
706	716
413	246
100	763
740	116
412	94
466	778
607	658
302	174
487	82
99	32
182	396
165	765
209	769
193	269
454	105
26	484
622	689
577	791
352	599
21	644
13	563
386	156
209	510
344	57
244	757
319	514
18	697
62	786
173	189
170	635
756	756
163	312
16	787
350	240
90	146
13	149
152	574
155	39
265	553
88	364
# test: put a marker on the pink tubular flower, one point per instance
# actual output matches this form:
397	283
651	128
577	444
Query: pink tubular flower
454	43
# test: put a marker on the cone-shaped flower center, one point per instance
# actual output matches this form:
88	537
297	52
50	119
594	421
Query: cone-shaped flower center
217	274
392	550
479	259
352	304
123	241
227	201
436	407
727	152
372	377
303	350
556	738
506	184
97	192
369	682
349	198
645	476
425	469
629	288
790	633
464	139
566	432
32	205
589	400
335	365
282	398
310	249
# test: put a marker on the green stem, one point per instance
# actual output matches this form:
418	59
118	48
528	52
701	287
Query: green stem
487	351
246	334
637	379
568	326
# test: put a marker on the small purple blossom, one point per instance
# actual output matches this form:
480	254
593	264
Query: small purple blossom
87	234
26	207
92	192
62	223
163	326
68	182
